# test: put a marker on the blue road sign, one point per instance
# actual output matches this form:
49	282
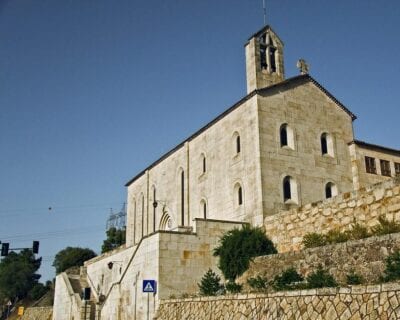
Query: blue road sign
149	286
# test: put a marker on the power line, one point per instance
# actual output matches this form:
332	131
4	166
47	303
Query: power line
53	234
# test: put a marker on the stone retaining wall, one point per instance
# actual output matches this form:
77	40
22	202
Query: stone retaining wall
366	257
355	303
38	313
287	228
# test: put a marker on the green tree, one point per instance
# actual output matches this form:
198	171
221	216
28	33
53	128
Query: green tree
210	284
71	257
238	246
320	279
392	271
115	238
18	274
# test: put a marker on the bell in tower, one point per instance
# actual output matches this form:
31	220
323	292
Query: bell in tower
264	59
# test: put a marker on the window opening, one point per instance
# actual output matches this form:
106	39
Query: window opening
240	196
370	166
182	198
324	144
385	168
287	192
283	135
238	144
397	168
204	164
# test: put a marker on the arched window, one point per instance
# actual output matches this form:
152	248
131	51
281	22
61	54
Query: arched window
134	219
327	144
240	196
286	136
330	190
289	186
203	163
182	198
238	144
165	222
283	135
154	208
142	215
203	208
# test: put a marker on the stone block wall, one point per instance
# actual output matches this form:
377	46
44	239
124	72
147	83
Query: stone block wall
287	228
39	313
356	303
366	257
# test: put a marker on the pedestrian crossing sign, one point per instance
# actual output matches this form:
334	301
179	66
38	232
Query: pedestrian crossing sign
149	286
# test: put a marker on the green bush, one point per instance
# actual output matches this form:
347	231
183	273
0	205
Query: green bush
233	287
392	271
258	283
238	246
38	291
353	278
385	227
358	231
313	239
210	284
287	280
336	236
320	279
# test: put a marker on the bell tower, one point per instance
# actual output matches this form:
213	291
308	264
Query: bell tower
264	59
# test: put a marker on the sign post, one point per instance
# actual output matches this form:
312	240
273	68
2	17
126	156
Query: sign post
149	286
9	304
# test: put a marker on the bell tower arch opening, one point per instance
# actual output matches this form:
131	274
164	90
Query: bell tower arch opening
264	59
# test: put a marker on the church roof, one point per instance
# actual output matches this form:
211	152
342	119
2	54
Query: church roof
294	80
262	30
375	147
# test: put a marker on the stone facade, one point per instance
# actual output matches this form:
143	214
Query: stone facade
355	303
366	257
287	228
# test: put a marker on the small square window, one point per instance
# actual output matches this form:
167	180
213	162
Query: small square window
385	168
370	166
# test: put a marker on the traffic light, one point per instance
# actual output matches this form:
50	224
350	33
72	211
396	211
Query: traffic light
35	247
4	249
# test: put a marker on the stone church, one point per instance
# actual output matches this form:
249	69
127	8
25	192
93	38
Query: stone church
287	143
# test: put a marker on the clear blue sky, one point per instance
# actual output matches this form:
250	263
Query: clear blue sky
93	91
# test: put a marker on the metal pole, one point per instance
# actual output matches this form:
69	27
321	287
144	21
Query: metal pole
148	306
265	12
8	311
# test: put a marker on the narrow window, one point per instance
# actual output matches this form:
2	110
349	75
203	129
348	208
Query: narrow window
204	164
324	144
397	168
287	192
154	209
240	196
205	210
283	135
142	216
385	168
272	58
370	166
182	198
134	221
238	144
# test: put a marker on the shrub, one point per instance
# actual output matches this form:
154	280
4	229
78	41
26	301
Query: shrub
210	284
336	236
354	278
287	280
258	283
233	287
358	231
385	227
312	240
392	271
320	279
38	291
238	246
